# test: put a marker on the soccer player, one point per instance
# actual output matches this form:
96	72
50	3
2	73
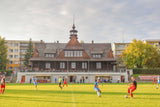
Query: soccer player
100	81
154	80
96	88
158	81
132	87
3	84
65	82
21	81
35	82
60	81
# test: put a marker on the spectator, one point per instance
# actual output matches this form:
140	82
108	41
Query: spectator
63	79
30	80
123	79
74	79
118	80
55	80
80	80
111	80
83	80
53	70
21	81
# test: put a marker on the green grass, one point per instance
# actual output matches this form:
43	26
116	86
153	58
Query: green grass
78	95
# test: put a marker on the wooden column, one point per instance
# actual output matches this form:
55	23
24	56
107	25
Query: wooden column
38	66
107	67
67	66
88	66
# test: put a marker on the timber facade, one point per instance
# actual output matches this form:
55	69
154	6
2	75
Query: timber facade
74	61
73	56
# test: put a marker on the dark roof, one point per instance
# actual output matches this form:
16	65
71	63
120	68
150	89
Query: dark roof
43	48
98	48
89	48
49	51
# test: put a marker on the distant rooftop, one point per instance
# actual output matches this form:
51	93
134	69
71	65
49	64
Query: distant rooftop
121	43
152	40
24	41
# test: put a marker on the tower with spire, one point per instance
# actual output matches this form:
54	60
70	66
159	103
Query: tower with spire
73	32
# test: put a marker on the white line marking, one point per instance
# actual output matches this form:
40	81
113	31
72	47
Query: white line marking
73	99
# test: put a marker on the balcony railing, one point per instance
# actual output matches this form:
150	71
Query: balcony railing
69	71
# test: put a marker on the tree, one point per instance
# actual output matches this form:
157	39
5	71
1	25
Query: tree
3	54
140	55
28	54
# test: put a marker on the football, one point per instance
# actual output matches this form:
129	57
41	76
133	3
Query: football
126	96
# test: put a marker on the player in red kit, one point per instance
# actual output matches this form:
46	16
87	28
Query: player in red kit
65	82
132	87
154	81
3	85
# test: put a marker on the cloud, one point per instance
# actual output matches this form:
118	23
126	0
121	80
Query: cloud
98	20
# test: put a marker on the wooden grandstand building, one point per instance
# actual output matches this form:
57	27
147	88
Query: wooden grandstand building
74	61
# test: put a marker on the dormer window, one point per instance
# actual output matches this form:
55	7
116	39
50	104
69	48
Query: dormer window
49	55
73	53
96	55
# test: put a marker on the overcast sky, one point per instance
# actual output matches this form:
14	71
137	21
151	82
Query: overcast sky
98	20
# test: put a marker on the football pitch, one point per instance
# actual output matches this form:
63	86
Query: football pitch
79	95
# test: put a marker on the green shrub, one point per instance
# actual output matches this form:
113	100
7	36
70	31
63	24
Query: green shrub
155	71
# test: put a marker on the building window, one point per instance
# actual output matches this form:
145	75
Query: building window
15	62
65	53
73	53
69	54
48	65
15	68
10	68
16	44
15	56
16	50
11	44
120	46
23	50
98	65
77	53
10	56
10	62
24	44
10	50
118	52
73	65
96	55
80	53
84	65
22	56
22	62
49	55
62	65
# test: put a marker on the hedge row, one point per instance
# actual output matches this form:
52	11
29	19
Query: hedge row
146	71
8	72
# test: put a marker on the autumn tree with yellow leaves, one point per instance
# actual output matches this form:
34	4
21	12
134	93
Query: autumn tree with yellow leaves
141	55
